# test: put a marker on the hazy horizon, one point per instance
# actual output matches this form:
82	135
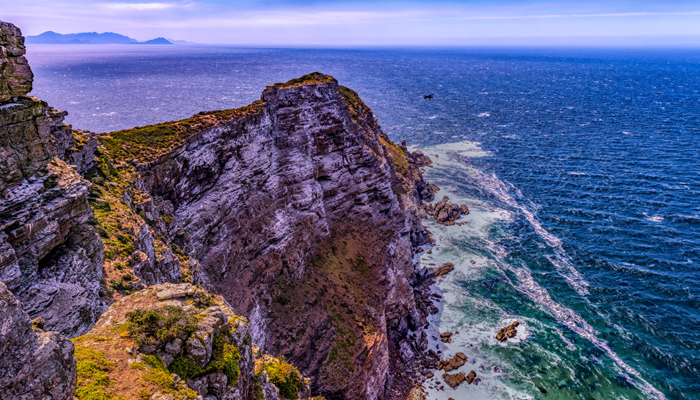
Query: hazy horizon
380	23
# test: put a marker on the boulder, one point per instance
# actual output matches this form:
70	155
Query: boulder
508	332
453	380
470	377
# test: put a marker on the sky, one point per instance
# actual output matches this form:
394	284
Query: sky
371	22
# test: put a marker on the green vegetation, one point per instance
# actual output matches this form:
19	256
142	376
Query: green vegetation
147	143
145	326
309	79
358	109
225	358
397	154
93	380
120	286
184	367
287	378
78	137
158	375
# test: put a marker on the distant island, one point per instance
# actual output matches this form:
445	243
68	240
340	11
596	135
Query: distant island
51	37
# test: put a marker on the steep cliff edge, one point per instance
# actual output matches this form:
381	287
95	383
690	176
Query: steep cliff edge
298	209
50	257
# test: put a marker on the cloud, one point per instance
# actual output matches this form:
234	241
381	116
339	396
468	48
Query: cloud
137	6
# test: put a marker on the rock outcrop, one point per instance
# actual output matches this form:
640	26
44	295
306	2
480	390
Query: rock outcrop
178	341
50	256
508	332
34	364
15	75
444	211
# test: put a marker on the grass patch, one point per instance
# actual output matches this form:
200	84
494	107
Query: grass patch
93	378
358	108
308	79
225	358
397	154
340	283
158	375
147	143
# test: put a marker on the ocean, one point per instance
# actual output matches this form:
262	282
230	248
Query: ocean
580	167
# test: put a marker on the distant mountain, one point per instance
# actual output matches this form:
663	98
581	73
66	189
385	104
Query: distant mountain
88	38
159	40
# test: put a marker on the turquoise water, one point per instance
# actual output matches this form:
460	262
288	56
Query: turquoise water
580	166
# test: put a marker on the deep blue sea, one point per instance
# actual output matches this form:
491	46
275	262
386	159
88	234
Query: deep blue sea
581	167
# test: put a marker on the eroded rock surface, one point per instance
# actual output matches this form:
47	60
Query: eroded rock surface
15	75
50	256
34	364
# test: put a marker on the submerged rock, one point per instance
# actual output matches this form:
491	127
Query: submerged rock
508	332
453	380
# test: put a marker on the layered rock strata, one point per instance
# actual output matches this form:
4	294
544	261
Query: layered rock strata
34	364
50	256
15	75
301	212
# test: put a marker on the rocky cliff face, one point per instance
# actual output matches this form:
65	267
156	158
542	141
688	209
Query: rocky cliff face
35	364
297	209
300	211
50	257
15	75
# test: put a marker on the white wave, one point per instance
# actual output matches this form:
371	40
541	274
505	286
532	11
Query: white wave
484	114
653	218
576	323
483	216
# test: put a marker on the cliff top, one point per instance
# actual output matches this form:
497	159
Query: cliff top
147	143
313	78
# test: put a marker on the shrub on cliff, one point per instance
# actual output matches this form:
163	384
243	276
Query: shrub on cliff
287	378
225	358
147	326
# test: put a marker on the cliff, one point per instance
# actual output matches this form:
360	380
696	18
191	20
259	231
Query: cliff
297	210
50	256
